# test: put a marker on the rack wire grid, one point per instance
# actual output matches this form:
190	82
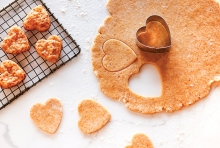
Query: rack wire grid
35	67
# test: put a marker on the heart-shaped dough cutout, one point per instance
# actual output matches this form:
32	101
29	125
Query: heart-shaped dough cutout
155	35
38	19
16	41
47	117
141	141
49	49
118	55
93	116
11	74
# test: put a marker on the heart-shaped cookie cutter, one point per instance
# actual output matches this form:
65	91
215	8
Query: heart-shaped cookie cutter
143	29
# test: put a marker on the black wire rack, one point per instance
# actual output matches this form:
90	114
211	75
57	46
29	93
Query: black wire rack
35	67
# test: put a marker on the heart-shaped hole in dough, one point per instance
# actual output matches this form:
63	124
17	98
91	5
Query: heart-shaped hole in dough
47	117
147	82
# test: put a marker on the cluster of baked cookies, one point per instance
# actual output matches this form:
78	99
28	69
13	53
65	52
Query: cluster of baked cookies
16	42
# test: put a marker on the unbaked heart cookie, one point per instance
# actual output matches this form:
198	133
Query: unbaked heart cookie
93	116
38	19
118	55
47	117
141	141
11	74
16	41
49	49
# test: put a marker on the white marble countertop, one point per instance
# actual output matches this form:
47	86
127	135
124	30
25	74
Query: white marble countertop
194	126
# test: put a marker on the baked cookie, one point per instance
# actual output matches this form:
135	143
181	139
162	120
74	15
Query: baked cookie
49	49
141	141
93	116
16	41
47	117
11	74
38	19
187	71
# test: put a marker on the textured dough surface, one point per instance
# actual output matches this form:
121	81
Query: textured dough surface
47	117
11	74
49	49
187	71
140	141
38	18
118	55
93	116
16	41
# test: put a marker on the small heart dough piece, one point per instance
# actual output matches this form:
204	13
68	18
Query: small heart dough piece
38	19
118	55
93	116
49	49
141	141
16	41
47	117
11	74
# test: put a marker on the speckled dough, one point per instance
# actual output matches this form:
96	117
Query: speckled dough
187	71
141	141
38	18
16	41
49	49
114	62
10	74
47	117
93	116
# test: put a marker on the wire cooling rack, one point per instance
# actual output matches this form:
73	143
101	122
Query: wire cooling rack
35	67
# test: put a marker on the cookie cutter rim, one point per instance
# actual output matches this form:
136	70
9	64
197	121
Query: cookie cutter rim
150	48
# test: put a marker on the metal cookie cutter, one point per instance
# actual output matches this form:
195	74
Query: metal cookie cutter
150	48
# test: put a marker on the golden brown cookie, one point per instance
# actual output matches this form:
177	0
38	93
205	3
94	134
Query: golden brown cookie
49	49
11	74
93	116
16	41
141	141
187	71
47	117
38	19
